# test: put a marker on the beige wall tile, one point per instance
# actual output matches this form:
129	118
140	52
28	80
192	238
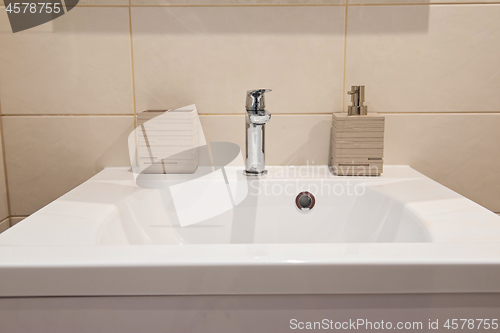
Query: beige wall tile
48	156
237	2
212	55
407	2
103	2
4	21
16	219
4	210
459	151
425	58
290	139
298	139
225	128
79	63
4	225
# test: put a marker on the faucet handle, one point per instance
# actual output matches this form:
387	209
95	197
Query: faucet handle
255	100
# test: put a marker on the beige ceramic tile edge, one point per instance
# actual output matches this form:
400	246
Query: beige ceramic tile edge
451	113
251	5
295	5
292	5
7	219
11	223
69	115
440	112
423	4
4	161
318	4
102	6
132	64
345	58
274	114
217	5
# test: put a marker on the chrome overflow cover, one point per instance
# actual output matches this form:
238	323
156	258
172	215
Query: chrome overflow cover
305	201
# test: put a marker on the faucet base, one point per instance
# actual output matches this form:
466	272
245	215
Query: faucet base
254	174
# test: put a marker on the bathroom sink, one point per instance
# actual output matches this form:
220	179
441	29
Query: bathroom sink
401	232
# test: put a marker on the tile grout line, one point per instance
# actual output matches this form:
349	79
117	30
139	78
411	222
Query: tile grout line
63	5
223	5
249	5
458	113
439	112
274	114
345	56
132	63
424	4
4	157
297	5
68	115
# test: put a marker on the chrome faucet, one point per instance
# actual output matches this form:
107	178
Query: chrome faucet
256	118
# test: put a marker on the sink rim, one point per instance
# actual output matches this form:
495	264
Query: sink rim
255	268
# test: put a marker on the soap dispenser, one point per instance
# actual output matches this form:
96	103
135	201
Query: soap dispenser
357	139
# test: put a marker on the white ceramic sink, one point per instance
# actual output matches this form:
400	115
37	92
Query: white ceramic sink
147	217
401	232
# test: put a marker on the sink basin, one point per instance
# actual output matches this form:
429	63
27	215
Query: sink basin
360	230
269	215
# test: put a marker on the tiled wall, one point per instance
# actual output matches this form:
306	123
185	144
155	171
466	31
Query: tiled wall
4	204
70	89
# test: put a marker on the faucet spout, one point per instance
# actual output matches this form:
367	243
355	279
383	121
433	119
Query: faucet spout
255	120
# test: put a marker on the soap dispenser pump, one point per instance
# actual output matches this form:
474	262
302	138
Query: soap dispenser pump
357	143
357	98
